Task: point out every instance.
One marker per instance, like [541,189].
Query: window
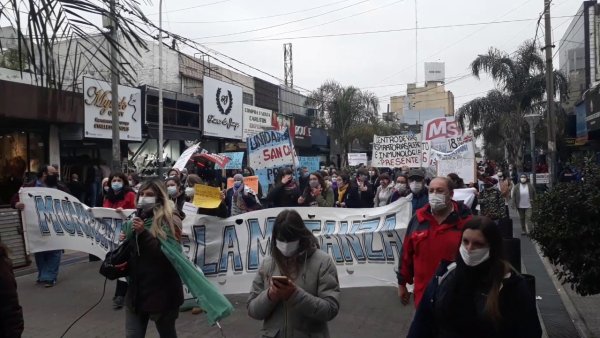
[175,113]
[248,98]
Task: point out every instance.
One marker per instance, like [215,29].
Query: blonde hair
[163,210]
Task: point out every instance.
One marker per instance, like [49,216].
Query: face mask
[237,184]
[288,249]
[474,257]
[146,203]
[131,184]
[523,180]
[189,191]
[415,186]
[371,173]
[437,202]
[172,191]
[51,180]
[314,184]
[400,187]
[116,186]
[364,177]
[106,189]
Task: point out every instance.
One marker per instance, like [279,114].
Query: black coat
[154,285]
[281,197]
[438,316]
[360,199]
[11,314]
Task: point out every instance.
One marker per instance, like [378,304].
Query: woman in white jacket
[296,290]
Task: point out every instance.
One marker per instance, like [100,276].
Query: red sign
[441,128]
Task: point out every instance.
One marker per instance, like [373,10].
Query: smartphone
[281,279]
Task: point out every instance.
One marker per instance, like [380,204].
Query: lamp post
[532,119]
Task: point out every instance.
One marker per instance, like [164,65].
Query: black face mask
[51,180]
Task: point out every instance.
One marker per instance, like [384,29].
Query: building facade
[433,98]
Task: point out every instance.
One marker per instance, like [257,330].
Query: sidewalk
[563,312]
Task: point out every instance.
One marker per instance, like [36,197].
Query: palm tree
[57,38]
[344,111]
[520,88]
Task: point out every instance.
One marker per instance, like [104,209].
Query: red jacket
[128,202]
[427,243]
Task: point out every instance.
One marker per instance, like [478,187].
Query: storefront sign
[397,151]
[364,243]
[222,109]
[256,120]
[302,132]
[97,99]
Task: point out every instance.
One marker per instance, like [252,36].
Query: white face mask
[523,180]
[189,191]
[415,186]
[437,202]
[288,249]
[400,187]
[474,257]
[146,203]
[172,191]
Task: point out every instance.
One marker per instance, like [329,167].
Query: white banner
[365,243]
[185,157]
[467,196]
[357,159]
[222,109]
[97,101]
[464,168]
[397,151]
[256,120]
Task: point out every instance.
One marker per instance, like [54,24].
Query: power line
[378,31]
[188,8]
[282,24]
[263,17]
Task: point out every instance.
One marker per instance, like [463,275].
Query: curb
[64,262]
[576,318]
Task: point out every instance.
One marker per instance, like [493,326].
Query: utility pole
[160,94]
[116,141]
[532,120]
[416,45]
[550,96]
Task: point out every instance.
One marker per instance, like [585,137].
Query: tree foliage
[347,112]
[520,88]
[44,27]
[566,227]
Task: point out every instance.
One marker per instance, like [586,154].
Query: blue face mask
[116,186]
[237,184]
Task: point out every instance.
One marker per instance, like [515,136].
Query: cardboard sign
[357,158]
[397,151]
[189,209]
[206,196]
[464,168]
[235,160]
[250,181]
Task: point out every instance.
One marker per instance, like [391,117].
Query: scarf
[342,192]
[206,294]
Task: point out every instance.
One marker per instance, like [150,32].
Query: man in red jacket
[433,235]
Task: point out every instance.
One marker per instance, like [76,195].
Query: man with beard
[47,262]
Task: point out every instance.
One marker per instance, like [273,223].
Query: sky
[382,62]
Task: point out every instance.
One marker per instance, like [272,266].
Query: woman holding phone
[296,290]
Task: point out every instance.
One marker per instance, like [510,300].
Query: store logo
[224,101]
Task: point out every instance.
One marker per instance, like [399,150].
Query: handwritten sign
[357,158]
[250,181]
[310,162]
[189,209]
[397,151]
[206,196]
[464,168]
[235,160]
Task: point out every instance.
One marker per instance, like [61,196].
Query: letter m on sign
[436,129]
[46,215]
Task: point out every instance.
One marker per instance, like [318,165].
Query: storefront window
[20,152]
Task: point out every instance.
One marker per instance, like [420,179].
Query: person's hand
[273,293]
[119,210]
[138,225]
[286,179]
[121,236]
[316,191]
[20,205]
[301,200]
[403,294]
[363,188]
[284,290]
[222,195]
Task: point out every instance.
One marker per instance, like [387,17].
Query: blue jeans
[137,323]
[47,263]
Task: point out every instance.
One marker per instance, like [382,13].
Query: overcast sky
[382,62]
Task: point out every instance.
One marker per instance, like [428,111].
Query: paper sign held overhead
[249,181]
[206,196]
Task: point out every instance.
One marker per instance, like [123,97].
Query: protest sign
[206,196]
[441,128]
[464,168]
[365,244]
[268,151]
[310,162]
[355,159]
[249,181]
[235,160]
[467,196]
[189,208]
[396,151]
